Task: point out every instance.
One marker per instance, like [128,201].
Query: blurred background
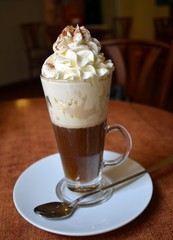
[56,14]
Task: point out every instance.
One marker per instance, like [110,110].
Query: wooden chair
[163,29]
[100,31]
[143,69]
[121,27]
[36,45]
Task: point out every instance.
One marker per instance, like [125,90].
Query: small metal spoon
[58,210]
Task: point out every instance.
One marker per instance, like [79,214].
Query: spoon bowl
[54,210]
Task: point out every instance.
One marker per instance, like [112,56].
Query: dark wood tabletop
[26,136]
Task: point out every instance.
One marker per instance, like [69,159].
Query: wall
[13,61]
[110,10]
[142,13]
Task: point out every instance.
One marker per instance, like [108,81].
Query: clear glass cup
[78,112]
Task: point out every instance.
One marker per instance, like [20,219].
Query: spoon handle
[152,168]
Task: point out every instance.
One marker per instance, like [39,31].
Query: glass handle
[123,131]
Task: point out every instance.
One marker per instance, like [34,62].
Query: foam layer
[77,104]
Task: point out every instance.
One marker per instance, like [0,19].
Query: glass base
[65,194]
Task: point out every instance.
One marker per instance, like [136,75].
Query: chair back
[34,35]
[36,45]
[143,69]
[121,27]
[100,31]
[163,29]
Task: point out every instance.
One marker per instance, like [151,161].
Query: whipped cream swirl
[76,57]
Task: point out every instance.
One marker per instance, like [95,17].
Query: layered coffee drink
[76,80]
[81,149]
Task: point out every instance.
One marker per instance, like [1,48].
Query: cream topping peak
[76,56]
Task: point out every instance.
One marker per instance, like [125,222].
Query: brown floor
[24,89]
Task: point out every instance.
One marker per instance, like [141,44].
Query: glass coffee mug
[78,112]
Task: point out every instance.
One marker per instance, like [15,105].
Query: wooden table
[26,136]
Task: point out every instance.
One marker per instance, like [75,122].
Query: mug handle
[128,140]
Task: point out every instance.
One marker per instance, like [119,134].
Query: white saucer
[37,184]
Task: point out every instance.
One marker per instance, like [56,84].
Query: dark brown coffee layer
[81,151]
